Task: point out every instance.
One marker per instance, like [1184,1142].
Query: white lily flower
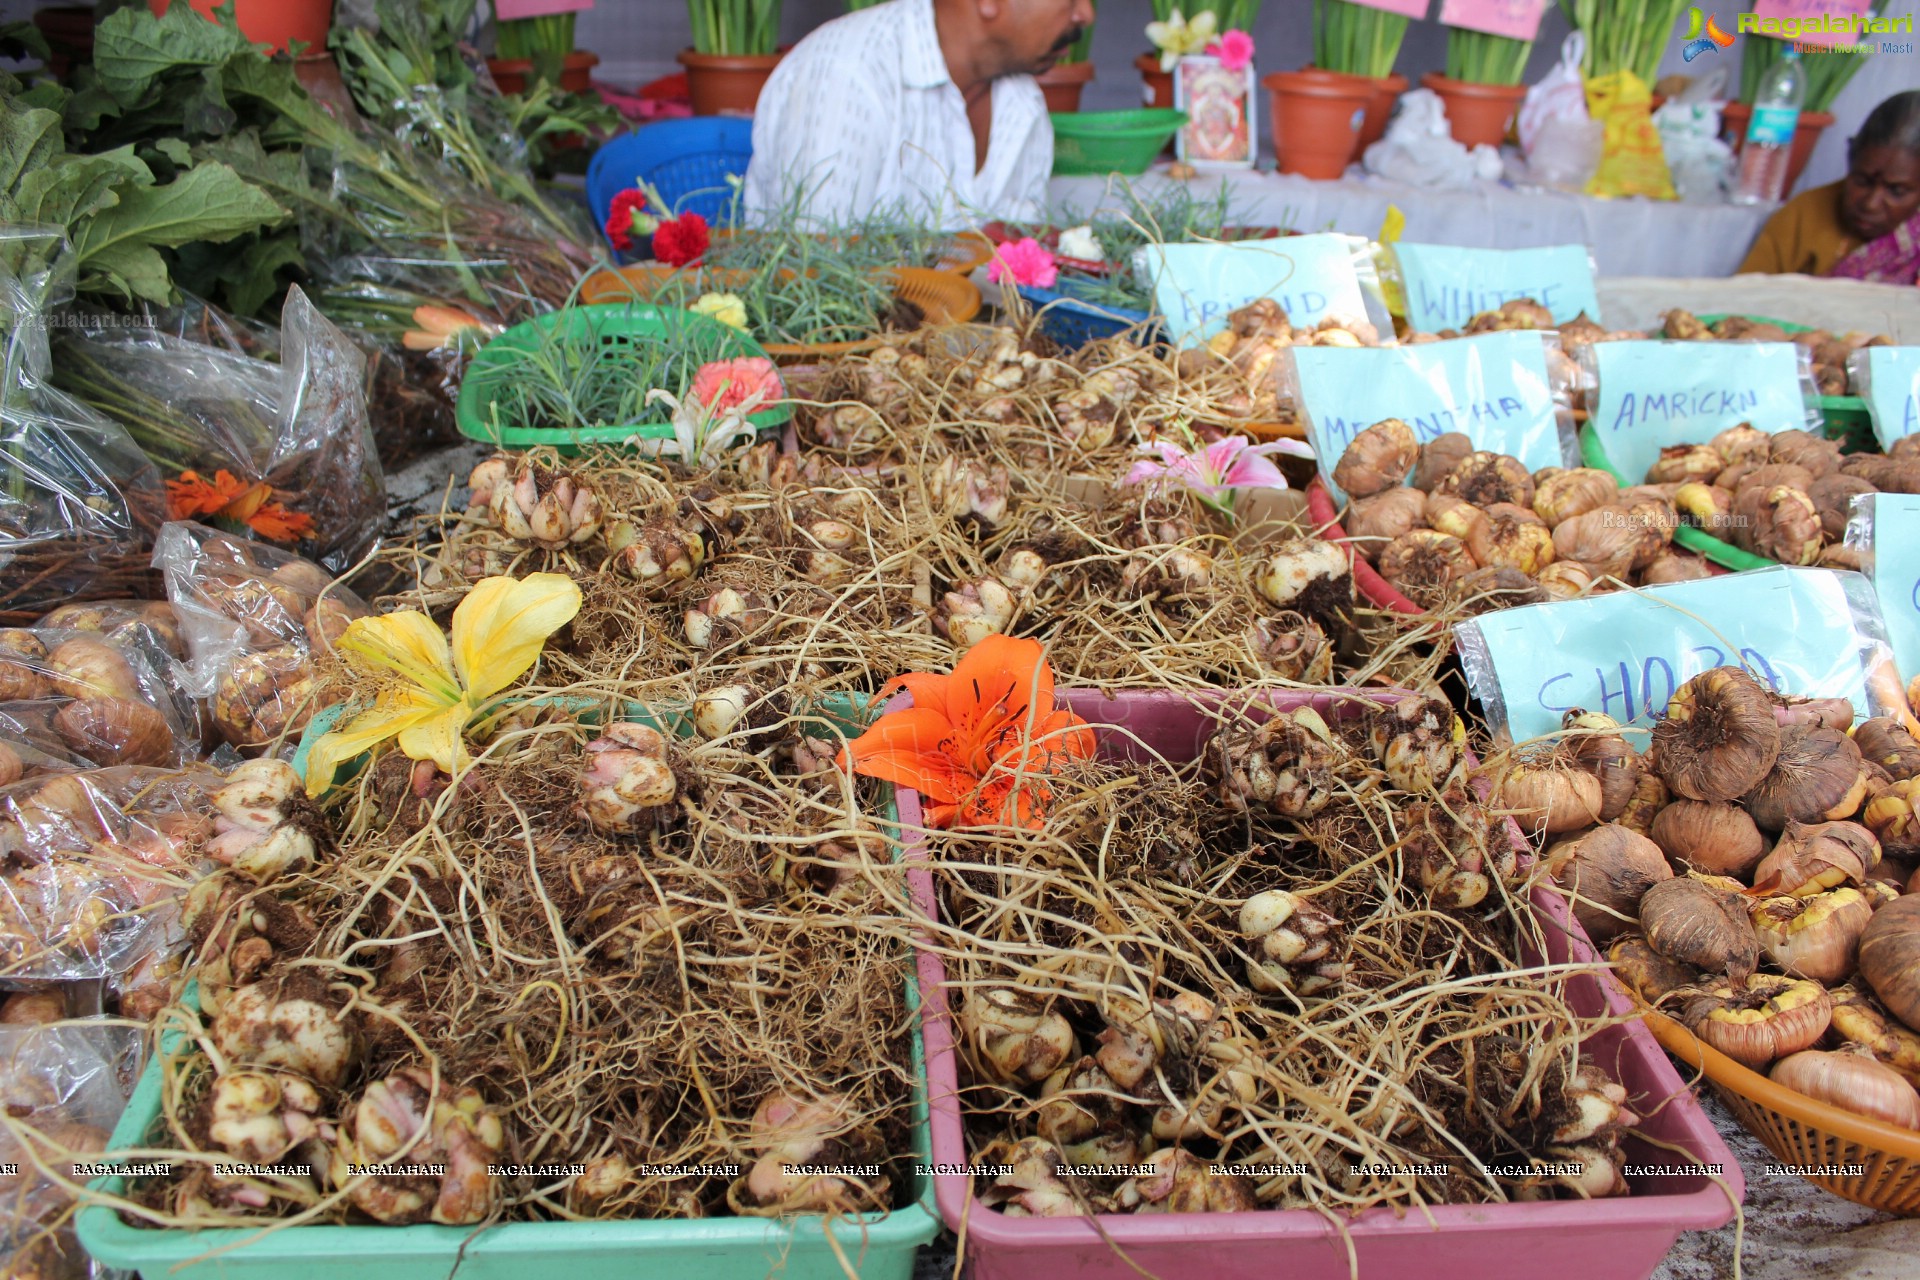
[1177,37]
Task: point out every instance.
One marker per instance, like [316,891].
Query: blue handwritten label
[1893,392]
[1626,652]
[1896,575]
[1196,286]
[1448,285]
[1655,394]
[1492,386]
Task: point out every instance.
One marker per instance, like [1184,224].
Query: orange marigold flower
[229,497]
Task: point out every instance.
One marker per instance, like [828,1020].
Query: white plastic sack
[1701,164]
[1419,149]
[1561,142]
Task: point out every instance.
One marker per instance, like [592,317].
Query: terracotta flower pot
[1384,91]
[1733,128]
[512,75]
[68,29]
[274,22]
[1062,83]
[726,84]
[1159,84]
[1476,113]
[1316,121]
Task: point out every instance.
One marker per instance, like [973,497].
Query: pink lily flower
[1234,49]
[1221,467]
[1023,262]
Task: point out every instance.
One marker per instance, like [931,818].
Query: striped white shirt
[863,113]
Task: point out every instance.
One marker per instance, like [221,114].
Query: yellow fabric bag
[1632,163]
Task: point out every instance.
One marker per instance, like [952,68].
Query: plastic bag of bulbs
[93,685]
[93,866]
[64,1085]
[253,618]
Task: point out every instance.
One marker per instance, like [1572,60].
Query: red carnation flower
[620,218]
[681,241]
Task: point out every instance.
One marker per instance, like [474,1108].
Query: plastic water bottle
[1776,114]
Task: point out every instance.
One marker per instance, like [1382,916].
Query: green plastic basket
[1724,554]
[881,1246]
[1098,142]
[496,362]
[1842,418]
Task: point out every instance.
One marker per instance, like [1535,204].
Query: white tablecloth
[1631,237]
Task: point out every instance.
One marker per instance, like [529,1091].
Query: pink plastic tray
[1621,1239]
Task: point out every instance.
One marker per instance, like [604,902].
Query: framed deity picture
[1220,132]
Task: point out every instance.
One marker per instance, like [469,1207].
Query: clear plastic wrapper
[1324,278]
[1885,529]
[1646,395]
[1812,632]
[79,501]
[282,452]
[63,1087]
[98,699]
[1888,379]
[252,616]
[93,867]
[1509,392]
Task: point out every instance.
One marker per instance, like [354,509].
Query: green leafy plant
[119,214]
[735,28]
[1480,57]
[544,41]
[1827,73]
[1624,35]
[1355,39]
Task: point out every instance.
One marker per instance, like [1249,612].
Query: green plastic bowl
[882,1245]
[1097,142]
[1724,554]
[498,362]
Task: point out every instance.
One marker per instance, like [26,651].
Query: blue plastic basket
[1073,322]
[687,161]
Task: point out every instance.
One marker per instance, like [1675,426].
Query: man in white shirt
[922,108]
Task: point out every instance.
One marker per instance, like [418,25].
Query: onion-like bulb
[1020,1040]
[1607,871]
[1700,925]
[1813,858]
[1766,1018]
[1890,958]
[1549,794]
[1816,937]
[1853,1082]
[1719,738]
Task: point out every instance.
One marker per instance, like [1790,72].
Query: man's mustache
[1068,40]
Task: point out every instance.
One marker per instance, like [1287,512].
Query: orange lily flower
[228,496]
[973,740]
[444,327]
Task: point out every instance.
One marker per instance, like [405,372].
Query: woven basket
[1856,1158]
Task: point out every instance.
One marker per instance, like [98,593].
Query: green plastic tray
[881,1246]
[1724,554]
[494,362]
[1842,418]
[1100,142]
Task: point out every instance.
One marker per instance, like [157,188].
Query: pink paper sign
[1415,9]
[1803,12]
[1515,19]
[508,10]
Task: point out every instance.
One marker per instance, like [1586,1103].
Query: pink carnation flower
[1234,49]
[725,385]
[1023,262]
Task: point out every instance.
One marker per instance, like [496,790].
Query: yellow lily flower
[727,308]
[1177,37]
[432,690]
